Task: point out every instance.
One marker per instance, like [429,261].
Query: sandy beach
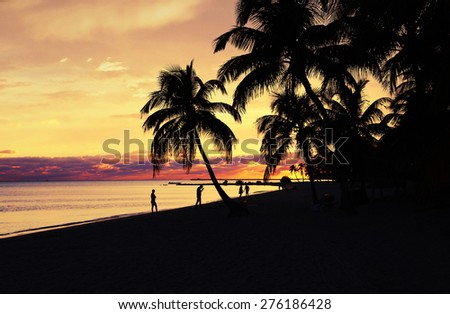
[283,246]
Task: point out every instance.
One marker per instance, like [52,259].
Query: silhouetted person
[241,190]
[153,201]
[247,190]
[199,195]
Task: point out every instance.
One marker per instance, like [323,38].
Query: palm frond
[374,113]
[162,145]
[207,89]
[264,78]
[155,120]
[217,132]
[241,37]
[239,65]
[222,108]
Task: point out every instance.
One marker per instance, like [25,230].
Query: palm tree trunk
[236,209]
[312,184]
[347,202]
[346,199]
[319,105]
[317,102]
[310,170]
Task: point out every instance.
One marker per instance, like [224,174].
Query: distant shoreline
[148,180]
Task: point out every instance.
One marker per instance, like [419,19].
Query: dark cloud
[75,168]
[92,168]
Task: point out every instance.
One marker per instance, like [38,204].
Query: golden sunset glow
[76,73]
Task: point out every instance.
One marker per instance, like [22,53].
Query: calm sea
[36,206]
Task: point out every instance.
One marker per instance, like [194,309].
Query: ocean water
[34,206]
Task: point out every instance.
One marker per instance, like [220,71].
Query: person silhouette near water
[241,190]
[199,195]
[247,190]
[153,201]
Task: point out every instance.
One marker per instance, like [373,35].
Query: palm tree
[181,113]
[294,124]
[356,118]
[418,73]
[298,168]
[351,111]
[414,35]
[293,170]
[286,42]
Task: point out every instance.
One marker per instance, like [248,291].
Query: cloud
[92,168]
[77,20]
[7,151]
[110,66]
[8,84]
[68,168]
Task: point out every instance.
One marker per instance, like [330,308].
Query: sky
[75,73]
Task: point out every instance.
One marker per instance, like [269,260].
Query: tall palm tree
[352,112]
[356,118]
[179,112]
[286,43]
[416,45]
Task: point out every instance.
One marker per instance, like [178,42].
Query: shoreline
[283,246]
[68,207]
[19,233]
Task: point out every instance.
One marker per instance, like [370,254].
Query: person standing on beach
[241,190]
[247,190]
[153,201]
[199,195]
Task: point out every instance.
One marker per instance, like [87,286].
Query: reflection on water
[30,205]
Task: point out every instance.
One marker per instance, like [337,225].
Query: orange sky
[75,73]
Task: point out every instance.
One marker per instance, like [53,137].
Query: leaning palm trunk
[236,209]
[316,100]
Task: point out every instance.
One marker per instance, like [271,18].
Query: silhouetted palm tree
[181,113]
[293,170]
[294,124]
[352,112]
[353,116]
[286,43]
[274,41]
[415,41]
[298,168]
